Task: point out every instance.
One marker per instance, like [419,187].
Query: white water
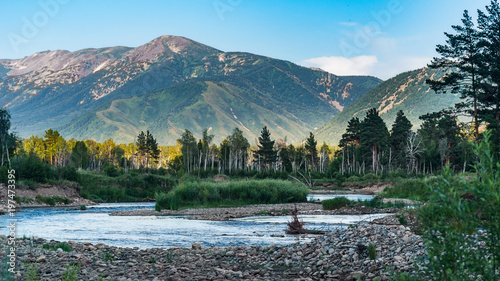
[95,225]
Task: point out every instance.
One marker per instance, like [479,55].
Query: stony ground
[340,255]
[224,214]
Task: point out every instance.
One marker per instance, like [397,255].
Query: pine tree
[352,135]
[50,139]
[399,136]
[312,150]
[266,155]
[374,135]
[461,55]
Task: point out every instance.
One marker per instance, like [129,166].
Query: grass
[372,251]
[234,193]
[335,203]
[414,189]
[63,245]
[71,273]
[377,203]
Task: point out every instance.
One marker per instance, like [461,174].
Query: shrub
[335,203]
[370,177]
[372,251]
[4,176]
[111,171]
[460,223]
[68,173]
[32,168]
[71,273]
[415,189]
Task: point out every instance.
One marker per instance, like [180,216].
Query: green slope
[407,91]
[193,106]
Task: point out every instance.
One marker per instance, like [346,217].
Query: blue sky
[376,37]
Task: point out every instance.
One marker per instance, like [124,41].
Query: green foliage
[460,223]
[266,155]
[335,203]
[372,251]
[370,177]
[68,173]
[191,194]
[53,247]
[4,175]
[71,272]
[32,272]
[108,257]
[32,168]
[410,93]
[123,188]
[111,171]
[415,189]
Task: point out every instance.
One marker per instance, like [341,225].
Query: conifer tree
[399,136]
[312,150]
[374,136]
[266,155]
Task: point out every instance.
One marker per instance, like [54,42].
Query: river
[95,225]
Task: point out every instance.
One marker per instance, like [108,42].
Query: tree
[7,140]
[324,157]
[152,151]
[374,136]
[79,155]
[266,155]
[350,144]
[50,139]
[461,55]
[352,135]
[206,142]
[399,136]
[238,153]
[489,27]
[312,150]
[188,150]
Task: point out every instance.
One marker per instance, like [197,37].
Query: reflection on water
[95,225]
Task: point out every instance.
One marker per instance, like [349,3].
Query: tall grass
[191,194]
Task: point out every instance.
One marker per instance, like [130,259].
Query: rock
[196,246]
[357,275]
[41,259]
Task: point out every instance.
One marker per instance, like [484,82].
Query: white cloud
[385,68]
[362,65]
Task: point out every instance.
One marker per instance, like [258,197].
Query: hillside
[407,91]
[118,91]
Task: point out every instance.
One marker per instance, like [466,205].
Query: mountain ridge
[55,88]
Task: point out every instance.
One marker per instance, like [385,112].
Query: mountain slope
[407,91]
[87,87]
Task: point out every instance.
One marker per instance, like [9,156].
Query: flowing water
[96,225]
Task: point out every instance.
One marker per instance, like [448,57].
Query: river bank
[339,255]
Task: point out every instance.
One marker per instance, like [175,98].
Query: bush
[415,189]
[68,173]
[335,203]
[370,177]
[231,193]
[32,168]
[460,223]
[111,171]
[4,175]
[372,251]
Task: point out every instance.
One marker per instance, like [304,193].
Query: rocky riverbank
[224,214]
[340,255]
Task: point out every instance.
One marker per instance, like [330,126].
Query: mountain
[407,91]
[167,85]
